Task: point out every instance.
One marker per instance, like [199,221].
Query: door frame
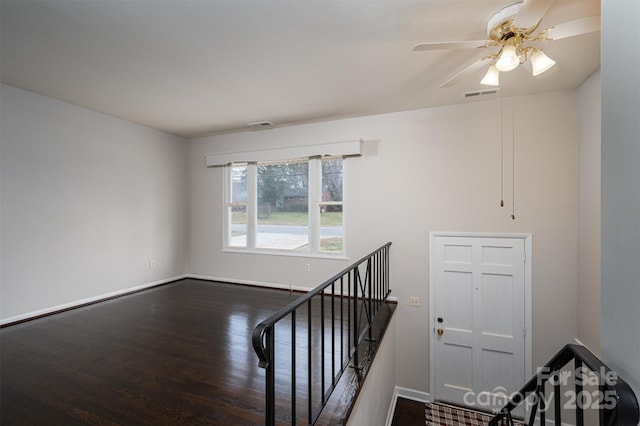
[527,299]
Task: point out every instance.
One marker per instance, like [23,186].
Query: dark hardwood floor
[175,354]
[408,413]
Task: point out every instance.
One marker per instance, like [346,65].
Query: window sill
[274,252]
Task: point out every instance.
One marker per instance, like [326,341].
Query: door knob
[440,332]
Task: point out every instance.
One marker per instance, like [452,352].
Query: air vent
[479,93]
[257,125]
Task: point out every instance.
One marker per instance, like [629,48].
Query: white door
[478,319]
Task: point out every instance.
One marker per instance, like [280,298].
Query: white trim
[392,407]
[266,285]
[249,282]
[412,394]
[406,393]
[430,325]
[314,192]
[348,148]
[528,295]
[400,392]
[480,234]
[528,305]
[290,253]
[77,303]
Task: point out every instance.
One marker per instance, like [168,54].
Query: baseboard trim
[6,322]
[17,319]
[414,395]
[400,392]
[392,407]
[392,299]
[250,283]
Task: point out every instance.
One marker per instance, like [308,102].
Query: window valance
[344,149]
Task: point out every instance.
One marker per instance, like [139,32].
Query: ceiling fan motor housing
[500,26]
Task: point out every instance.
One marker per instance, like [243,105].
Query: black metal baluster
[605,415]
[534,410]
[379,280]
[341,322]
[388,282]
[579,378]
[333,334]
[270,377]
[349,314]
[356,328]
[541,404]
[369,315]
[374,284]
[322,346]
[309,364]
[293,367]
[557,406]
[368,293]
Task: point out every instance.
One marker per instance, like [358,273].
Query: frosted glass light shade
[508,59]
[492,77]
[541,62]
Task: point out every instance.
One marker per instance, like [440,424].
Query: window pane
[283,206]
[331,226]
[238,226]
[237,206]
[238,183]
[332,180]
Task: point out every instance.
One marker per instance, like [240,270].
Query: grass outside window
[291,218]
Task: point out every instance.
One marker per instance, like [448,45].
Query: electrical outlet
[152,264]
[414,301]
[307,267]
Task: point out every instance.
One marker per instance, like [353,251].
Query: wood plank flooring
[176,354]
[408,413]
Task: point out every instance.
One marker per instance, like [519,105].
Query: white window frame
[315,202]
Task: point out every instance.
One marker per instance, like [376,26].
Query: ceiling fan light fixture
[508,59]
[492,77]
[541,62]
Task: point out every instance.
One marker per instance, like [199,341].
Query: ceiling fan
[513,30]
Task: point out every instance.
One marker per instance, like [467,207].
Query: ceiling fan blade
[573,28]
[440,45]
[473,67]
[531,12]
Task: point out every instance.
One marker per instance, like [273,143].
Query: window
[293,206]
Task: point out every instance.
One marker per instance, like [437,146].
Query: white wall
[87,201]
[377,392]
[621,189]
[589,240]
[433,169]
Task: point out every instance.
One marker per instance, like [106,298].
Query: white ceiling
[197,67]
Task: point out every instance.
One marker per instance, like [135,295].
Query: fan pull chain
[513,162]
[501,151]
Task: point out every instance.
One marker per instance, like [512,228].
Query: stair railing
[614,400]
[345,306]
